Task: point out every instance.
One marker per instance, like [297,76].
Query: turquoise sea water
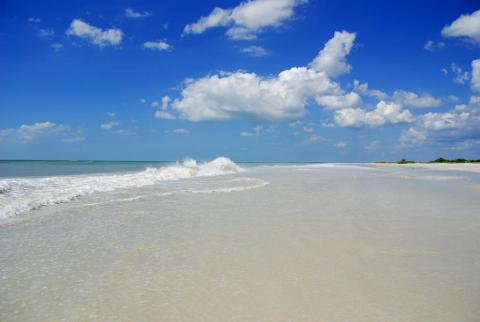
[20,168]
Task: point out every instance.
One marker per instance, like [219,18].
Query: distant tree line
[438,160]
[442,160]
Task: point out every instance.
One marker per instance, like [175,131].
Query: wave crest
[20,195]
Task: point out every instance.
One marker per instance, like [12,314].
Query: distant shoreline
[436,161]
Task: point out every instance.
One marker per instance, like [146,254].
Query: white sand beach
[267,243]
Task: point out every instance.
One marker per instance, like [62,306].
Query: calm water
[218,241]
[12,168]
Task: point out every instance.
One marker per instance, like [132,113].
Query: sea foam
[20,195]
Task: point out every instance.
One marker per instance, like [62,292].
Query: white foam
[20,195]
[250,183]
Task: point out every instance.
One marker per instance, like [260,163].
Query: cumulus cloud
[308,129]
[111,114]
[130,13]
[159,45]
[177,131]
[28,132]
[423,100]
[45,32]
[349,100]
[33,20]
[255,51]
[332,58]
[241,94]
[475,83]
[383,114]
[433,46]
[109,125]
[248,19]
[328,125]
[295,123]
[248,95]
[164,115]
[456,125]
[466,26]
[57,46]
[314,139]
[257,130]
[341,145]
[165,102]
[364,90]
[217,18]
[412,136]
[96,36]
[461,76]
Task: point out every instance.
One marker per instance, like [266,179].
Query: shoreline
[467,166]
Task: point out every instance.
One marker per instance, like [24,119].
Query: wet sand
[317,243]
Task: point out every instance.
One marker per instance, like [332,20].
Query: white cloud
[314,139]
[45,33]
[433,46]
[351,99]
[412,136]
[33,20]
[308,129]
[331,59]
[130,13]
[177,131]
[109,125]
[157,45]
[383,114]
[217,18]
[241,94]
[97,36]
[443,121]
[164,115]
[255,51]
[364,90]
[165,102]
[461,76]
[142,100]
[475,83]
[466,26]
[248,19]
[341,145]
[57,46]
[257,130]
[459,124]
[28,132]
[423,100]
[328,125]
[247,95]
[111,114]
[295,123]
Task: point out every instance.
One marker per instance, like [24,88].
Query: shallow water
[266,243]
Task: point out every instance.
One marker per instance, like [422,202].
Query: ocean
[221,241]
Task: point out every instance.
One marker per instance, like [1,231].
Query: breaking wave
[20,195]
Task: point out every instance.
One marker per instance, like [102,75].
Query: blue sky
[259,80]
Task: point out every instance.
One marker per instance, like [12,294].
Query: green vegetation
[442,160]
[438,160]
[403,161]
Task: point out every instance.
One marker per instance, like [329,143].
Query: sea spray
[20,195]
